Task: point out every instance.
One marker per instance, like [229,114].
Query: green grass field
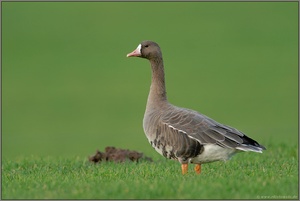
[68,89]
[244,177]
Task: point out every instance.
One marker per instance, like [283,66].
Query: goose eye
[146,45]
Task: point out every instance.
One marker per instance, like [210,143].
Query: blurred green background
[68,88]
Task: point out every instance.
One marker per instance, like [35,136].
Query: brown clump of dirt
[118,155]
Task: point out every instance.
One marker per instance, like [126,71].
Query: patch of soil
[118,155]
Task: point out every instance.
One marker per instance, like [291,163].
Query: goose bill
[136,52]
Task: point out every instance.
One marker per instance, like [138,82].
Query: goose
[183,134]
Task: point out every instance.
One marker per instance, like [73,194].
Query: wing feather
[206,130]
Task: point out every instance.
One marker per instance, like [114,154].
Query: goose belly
[178,147]
[213,152]
[169,142]
[164,150]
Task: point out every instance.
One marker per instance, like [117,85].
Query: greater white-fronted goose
[182,134]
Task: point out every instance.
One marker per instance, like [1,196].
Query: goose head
[147,49]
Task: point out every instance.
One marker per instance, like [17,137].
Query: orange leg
[198,168]
[184,168]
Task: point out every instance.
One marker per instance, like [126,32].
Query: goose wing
[207,131]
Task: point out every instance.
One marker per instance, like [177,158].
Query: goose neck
[158,88]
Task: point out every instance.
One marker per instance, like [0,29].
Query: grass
[274,174]
[68,89]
